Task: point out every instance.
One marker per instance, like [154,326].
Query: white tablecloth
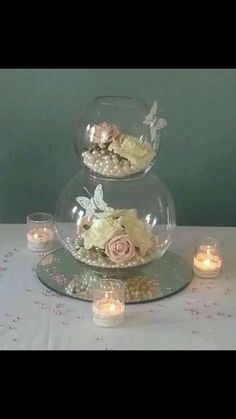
[202,316]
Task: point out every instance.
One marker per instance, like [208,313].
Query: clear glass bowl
[118,136]
[109,224]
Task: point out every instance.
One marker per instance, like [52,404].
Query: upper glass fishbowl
[118,136]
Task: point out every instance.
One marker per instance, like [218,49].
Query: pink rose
[120,248]
[103,133]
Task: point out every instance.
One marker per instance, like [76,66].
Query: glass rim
[125,99]
[202,240]
[109,280]
[34,217]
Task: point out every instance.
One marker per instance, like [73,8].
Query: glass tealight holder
[207,261]
[40,232]
[108,302]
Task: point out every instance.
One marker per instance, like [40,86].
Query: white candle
[40,239]
[207,263]
[108,312]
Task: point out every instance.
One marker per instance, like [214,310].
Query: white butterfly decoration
[95,203]
[154,122]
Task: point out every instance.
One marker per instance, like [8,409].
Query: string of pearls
[107,163]
[96,257]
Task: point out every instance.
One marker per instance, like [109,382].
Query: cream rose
[103,133]
[129,147]
[84,224]
[100,232]
[139,231]
[120,248]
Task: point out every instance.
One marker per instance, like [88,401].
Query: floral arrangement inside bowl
[111,238]
[115,154]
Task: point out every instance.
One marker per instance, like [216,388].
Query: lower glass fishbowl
[115,226]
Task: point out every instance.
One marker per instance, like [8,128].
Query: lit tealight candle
[207,262]
[108,303]
[39,239]
[40,232]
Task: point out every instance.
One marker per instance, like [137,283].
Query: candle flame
[112,307]
[208,252]
[207,262]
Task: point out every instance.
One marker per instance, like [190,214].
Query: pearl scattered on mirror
[138,288]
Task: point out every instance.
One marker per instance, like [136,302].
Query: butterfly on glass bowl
[95,203]
[155,123]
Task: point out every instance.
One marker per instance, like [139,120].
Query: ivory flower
[139,231]
[100,232]
[129,147]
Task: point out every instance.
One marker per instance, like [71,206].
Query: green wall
[38,116]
